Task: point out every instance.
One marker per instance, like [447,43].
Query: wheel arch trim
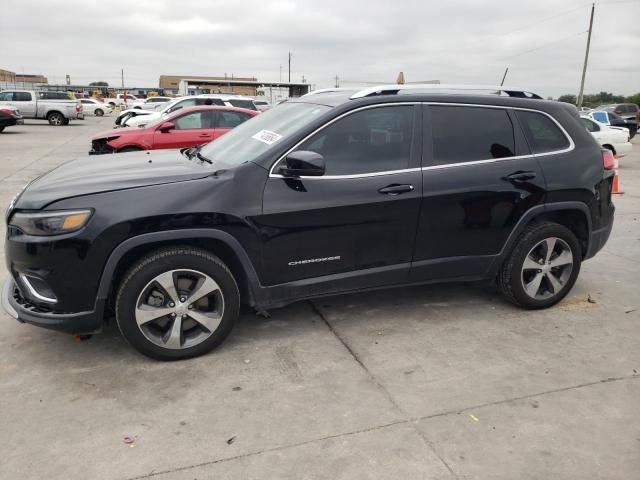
[534,212]
[253,284]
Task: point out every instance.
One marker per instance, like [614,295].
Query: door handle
[205,135]
[521,176]
[396,189]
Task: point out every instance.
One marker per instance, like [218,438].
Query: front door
[191,128]
[359,217]
[478,180]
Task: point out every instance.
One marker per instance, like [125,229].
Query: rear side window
[231,119]
[542,133]
[242,104]
[468,134]
[590,125]
[21,97]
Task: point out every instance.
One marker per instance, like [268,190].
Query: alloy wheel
[547,268]
[179,309]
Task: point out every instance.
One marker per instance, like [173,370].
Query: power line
[544,20]
[546,45]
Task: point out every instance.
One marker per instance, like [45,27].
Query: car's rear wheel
[542,267]
[56,119]
[98,112]
[177,303]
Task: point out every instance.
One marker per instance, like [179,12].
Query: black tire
[98,112]
[129,149]
[511,277]
[1,129]
[66,121]
[56,119]
[143,273]
[610,147]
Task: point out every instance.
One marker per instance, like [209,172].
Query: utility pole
[122,76]
[280,73]
[504,76]
[337,85]
[586,57]
[290,55]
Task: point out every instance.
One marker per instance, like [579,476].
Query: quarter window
[542,134]
[372,140]
[468,134]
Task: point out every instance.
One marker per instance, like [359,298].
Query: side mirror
[166,126]
[303,163]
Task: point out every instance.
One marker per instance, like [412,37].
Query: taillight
[77,107]
[6,111]
[608,162]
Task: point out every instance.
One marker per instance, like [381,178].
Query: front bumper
[19,307]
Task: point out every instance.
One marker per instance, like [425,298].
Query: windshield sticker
[265,136]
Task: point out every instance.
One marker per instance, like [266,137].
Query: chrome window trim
[34,293]
[430,167]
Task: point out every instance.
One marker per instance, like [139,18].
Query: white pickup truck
[122,100]
[56,107]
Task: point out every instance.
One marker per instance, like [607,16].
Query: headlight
[50,223]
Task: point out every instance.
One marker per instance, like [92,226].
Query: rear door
[478,180]
[192,128]
[361,215]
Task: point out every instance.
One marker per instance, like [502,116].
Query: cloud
[464,41]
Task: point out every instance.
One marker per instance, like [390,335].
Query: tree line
[602,98]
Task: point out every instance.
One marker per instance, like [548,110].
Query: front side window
[542,133]
[6,97]
[469,134]
[369,141]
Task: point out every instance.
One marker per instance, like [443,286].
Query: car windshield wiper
[202,158]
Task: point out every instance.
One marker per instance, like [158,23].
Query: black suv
[334,192]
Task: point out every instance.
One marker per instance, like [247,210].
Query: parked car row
[58,108]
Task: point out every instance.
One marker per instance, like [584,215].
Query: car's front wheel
[542,267]
[177,303]
[99,112]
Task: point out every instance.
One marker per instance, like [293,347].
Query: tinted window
[372,140]
[195,120]
[21,97]
[590,125]
[242,104]
[542,134]
[209,101]
[231,119]
[86,101]
[467,134]
[6,97]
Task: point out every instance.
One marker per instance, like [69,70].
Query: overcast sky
[456,41]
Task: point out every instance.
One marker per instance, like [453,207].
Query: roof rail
[448,88]
[329,90]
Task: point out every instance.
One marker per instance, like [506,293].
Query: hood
[106,173]
[119,132]
[145,118]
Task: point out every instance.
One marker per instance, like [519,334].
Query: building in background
[226,84]
[32,79]
[9,79]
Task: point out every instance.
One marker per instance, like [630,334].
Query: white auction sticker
[267,137]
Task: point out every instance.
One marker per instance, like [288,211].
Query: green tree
[98,84]
[634,98]
[568,98]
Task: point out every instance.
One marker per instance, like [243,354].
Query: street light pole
[586,58]
[290,55]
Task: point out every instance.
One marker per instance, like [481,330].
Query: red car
[184,128]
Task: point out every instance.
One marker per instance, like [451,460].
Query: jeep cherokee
[336,191]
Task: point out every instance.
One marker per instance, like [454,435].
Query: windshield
[254,137]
